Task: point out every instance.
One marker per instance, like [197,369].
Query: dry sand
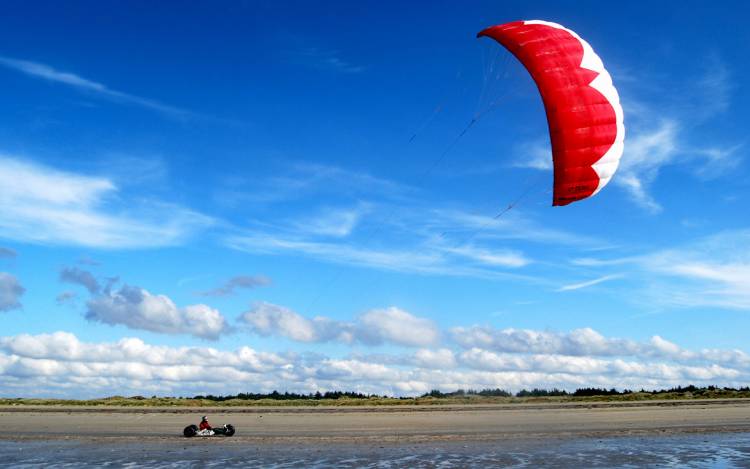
[384,424]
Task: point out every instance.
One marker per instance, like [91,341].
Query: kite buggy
[205,429]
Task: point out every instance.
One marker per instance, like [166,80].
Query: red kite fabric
[583,108]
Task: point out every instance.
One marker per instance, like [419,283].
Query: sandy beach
[393,424]
[624,434]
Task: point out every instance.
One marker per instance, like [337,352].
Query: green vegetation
[435,397]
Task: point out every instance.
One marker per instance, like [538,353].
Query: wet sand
[403,424]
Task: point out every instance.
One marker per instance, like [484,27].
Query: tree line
[497,392]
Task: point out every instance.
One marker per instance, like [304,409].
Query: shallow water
[718,450]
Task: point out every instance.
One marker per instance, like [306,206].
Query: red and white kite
[583,108]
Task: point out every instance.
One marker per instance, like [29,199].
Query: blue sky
[276,196]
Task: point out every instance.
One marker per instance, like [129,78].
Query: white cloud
[579,342]
[46,72]
[512,345]
[390,325]
[397,326]
[10,292]
[44,205]
[136,308]
[61,364]
[267,319]
[443,358]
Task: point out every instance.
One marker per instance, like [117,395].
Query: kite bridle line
[530,185]
[490,76]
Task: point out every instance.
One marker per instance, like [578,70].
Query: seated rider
[204,424]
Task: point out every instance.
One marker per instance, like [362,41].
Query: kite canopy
[583,108]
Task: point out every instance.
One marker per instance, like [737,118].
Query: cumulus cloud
[10,292]
[375,327]
[585,342]
[45,205]
[62,364]
[584,366]
[136,308]
[268,319]
[580,342]
[238,282]
[396,326]
[443,358]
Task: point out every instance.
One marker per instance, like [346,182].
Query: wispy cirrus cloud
[45,205]
[333,222]
[534,155]
[49,73]
[300,180]
[714,271]
[588,283]
[432,260]
[710,271]
[238,282]
[389,227]
[327,60]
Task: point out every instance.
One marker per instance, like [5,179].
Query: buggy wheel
[190,430]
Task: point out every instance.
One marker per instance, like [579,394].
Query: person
[204,424]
